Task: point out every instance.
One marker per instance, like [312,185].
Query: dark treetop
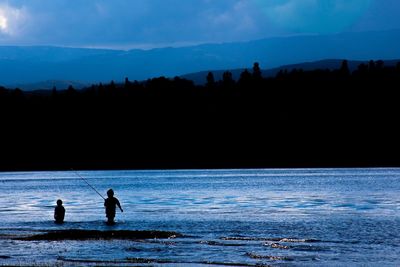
[317,118]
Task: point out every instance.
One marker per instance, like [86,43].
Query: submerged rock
[4,257]
[95,235]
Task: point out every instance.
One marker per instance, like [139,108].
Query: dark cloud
[382,15]
[172,22]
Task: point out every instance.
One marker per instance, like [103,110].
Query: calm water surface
[299,217]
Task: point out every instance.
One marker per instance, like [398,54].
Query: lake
[254,217]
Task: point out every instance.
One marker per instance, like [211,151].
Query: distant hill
[199,78]
[27,65]
[49,85]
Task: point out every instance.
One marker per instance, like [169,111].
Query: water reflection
[242,216]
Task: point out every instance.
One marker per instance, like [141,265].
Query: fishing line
[87,183]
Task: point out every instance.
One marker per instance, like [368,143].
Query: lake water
[278,217]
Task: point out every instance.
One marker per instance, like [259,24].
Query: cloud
[314,16]
[12,20]
[236,20]
[382,15]
[124,22]
[138,23]
[3,23]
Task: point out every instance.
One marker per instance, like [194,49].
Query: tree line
[298,118]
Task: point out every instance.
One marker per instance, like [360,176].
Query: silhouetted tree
[344,69]
[17,93]
[152,118]
[210,80]
[257,74]
[71,90]
[371,66]
[380,64]
[127,83]
[54,92]
[245,78]
[227,78]
[112,86]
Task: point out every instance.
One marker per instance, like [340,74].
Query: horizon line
[149,46]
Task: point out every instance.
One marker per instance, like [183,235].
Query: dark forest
[319,118]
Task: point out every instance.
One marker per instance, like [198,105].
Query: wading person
[110,204]
[59,212]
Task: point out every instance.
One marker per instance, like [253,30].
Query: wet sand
[74,234]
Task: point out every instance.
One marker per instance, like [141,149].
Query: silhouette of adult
[59,212]
[110,204]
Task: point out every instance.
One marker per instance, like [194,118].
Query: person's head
[110,193]
[59,202]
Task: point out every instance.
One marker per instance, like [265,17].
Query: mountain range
[28,67]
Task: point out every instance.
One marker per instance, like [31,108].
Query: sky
[157,23]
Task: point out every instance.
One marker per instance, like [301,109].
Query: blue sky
[156,23]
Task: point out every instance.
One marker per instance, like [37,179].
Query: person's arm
[119,206]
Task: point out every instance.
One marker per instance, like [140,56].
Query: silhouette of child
[59,212]
[110,203]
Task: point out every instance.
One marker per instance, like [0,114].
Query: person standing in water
[59,212]
[110,204]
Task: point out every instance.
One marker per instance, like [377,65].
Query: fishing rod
[87,183]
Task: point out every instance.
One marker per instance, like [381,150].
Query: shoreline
[101,167]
